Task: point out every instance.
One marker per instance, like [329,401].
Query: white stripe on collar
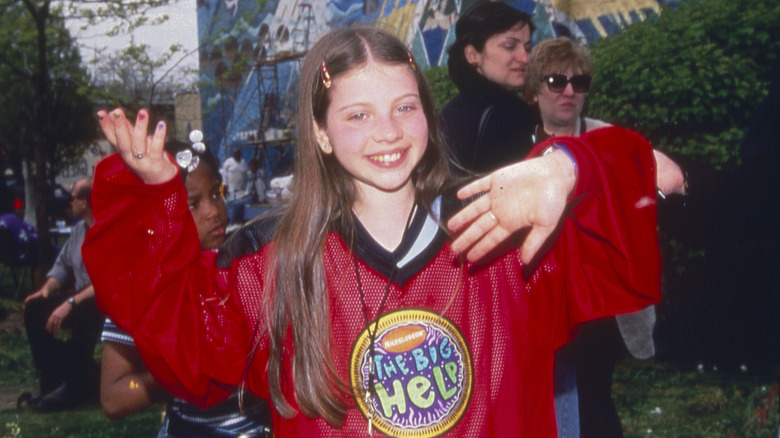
[428,232]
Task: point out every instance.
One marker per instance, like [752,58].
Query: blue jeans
[567,410]
[235,210]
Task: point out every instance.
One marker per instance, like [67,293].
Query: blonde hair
[554,56]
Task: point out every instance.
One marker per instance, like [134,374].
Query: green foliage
[124,17]
[72,120]
[654,399]
[17,375]
[86,422]
[442,88]
[15,360]
[690,79]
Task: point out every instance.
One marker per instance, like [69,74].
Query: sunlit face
[560,111]
[504,57]
[376,126]
[204,197]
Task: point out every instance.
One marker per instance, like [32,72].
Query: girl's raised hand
[142,154]
[531,194]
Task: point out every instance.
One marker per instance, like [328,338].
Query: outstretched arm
[605,247]
[152,279]
[610,215]
[530,194]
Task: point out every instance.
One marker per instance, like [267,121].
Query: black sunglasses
[557,83]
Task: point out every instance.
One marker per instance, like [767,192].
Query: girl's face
[560,111]
[504,57]
[376,126]
[204,196]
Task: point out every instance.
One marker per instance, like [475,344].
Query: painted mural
[251,52]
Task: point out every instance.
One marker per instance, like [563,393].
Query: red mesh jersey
[193,322]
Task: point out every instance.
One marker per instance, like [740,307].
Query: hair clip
[411,61]
[325,76]
[186,159]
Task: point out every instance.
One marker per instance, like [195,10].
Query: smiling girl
[360,314]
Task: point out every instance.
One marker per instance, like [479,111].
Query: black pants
[64,359]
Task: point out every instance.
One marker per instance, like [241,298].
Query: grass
[88,422]
[654,399]
[17,374]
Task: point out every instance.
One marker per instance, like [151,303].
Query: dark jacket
[504,119]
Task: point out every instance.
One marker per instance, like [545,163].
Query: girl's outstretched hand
[142,154]
[530,194]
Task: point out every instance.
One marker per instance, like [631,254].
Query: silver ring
[139,156]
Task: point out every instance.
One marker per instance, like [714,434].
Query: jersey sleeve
[151,278]
[607,249]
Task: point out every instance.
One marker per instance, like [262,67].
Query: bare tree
[133,78]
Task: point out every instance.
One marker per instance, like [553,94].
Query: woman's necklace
[372,333]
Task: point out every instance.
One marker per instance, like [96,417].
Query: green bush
[691,78]
[442,88]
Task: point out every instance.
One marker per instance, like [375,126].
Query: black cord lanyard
[372,334]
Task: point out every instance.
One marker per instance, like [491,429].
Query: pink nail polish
[141,116]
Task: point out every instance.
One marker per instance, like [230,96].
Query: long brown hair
[323,196]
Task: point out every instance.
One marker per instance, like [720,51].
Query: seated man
[67,370]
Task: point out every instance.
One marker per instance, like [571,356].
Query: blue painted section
[527,6]
[609,24]
[231,29]
[589,29]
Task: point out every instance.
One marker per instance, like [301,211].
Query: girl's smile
[388,159]
[378,134]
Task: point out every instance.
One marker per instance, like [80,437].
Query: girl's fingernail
[100,115]
[160,125]
[141,115]
[117,114]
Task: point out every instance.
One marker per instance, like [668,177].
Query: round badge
[423,376]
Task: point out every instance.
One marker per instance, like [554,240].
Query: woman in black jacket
[488,125]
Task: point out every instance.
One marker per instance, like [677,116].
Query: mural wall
[251,51]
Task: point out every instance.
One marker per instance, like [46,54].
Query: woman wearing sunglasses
[558,77]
